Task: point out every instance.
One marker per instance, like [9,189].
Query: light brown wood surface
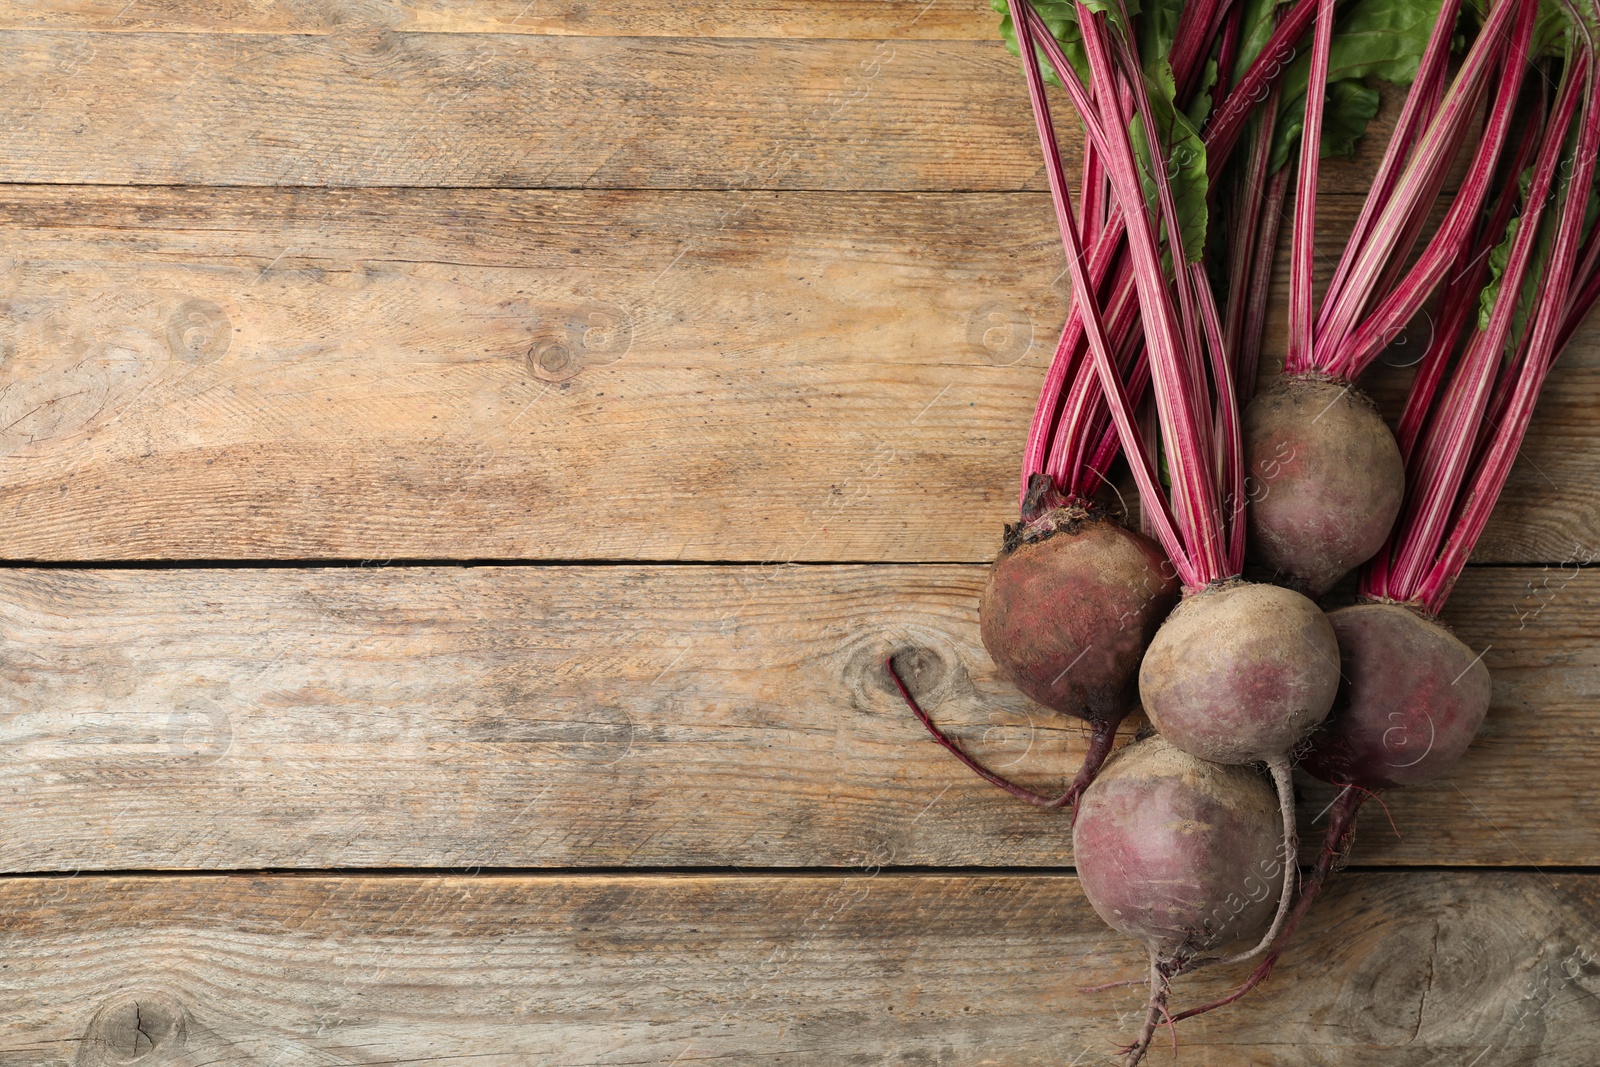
[368,106]
[518,374]
[840,19]
[641,716]
[861,966]
[378,374]
[371,107]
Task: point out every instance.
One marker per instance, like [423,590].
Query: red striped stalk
[1345,350]
[1544,328]
[1057,439]
[1303,238]
[1448,445]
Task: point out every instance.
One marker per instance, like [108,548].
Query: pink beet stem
[1188,453]
[1233,112]
[1114,150]
[1303,239]
[1351,350]
[1460,302]
[1447,449]
[1259,282]
[1194,303]
[1253,216]
[1092,199]
[1430,79]
[1198,24]
[1081,412]
[1046,450]
[1227,51]
[1056,442]
[1431,155]
[1046,421]
[1545,326]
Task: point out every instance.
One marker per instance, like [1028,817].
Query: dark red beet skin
[1178,852]
[1411,700]
[1066,617]
[1324,480]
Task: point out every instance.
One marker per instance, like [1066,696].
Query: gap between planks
[690,872]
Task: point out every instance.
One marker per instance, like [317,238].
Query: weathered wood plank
[844,19]
[376,108]
[380,374]
[1413,970]
[385,373]
[373,107]
[651,716]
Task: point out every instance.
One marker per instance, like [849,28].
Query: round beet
[1412,700]
[1179,852]
[1240,673]
[1324,480]
[1069,608]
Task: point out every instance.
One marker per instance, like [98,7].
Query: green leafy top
[1062,18]
[1381,39]
[1542,244]
[1256,23]
[1185,152]
[1552,26]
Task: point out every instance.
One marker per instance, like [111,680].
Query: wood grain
[1412,971]
[300,374]
[844,19]
[639,716]
[368,106]
[560,375]
[798,313]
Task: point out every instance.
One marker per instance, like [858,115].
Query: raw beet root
[1179,852]
[1240,673]
[1324,480]
[1412,700]
[1069,608]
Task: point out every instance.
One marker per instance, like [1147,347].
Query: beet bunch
[1199,119]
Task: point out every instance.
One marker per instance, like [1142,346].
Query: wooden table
[463,468]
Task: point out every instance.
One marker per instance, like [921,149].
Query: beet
[1067,612]
[1412,700]
[1240,672]
[1069,608]
[1180,853]
[1325,480]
